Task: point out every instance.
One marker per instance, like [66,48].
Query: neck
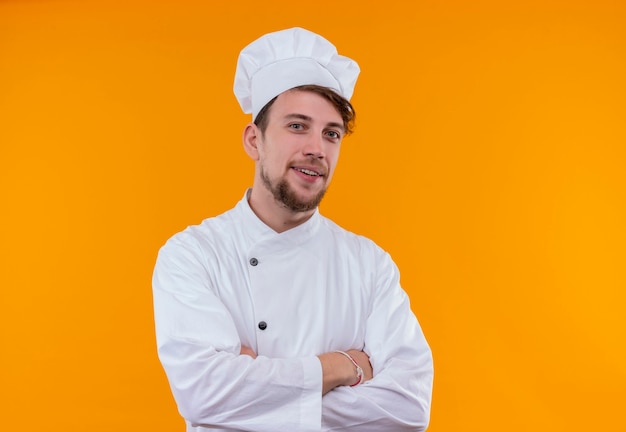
[273,213]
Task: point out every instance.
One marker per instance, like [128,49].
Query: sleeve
[198,346]
[398,397]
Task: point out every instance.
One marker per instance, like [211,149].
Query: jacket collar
[257,230]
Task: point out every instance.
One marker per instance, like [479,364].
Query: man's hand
[247,351]
[338,370]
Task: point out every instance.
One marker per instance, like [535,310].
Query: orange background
[489,160]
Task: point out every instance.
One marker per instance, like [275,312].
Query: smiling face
[297,153]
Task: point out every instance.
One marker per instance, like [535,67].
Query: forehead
[306,103]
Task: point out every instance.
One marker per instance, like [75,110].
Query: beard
[284,194]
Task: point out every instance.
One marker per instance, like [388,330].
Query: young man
[270,317]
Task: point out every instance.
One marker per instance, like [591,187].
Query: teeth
[307,172]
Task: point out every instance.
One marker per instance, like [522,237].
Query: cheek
[272,161]
[333,159]
[333,155]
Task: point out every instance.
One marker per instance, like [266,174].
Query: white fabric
[319,288]
[285,59]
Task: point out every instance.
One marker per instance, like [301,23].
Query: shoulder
[203,238]
[356,243]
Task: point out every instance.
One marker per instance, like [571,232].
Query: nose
[314,146]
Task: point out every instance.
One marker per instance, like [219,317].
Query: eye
[296,126]
[333,134]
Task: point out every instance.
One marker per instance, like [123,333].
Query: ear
[251,138]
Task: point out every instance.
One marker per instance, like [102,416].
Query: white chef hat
[282,60]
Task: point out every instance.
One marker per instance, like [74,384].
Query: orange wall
[489,159]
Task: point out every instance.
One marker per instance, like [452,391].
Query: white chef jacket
[290,296]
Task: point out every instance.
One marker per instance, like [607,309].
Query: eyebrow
[308,118]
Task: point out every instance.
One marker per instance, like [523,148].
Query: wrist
[357,376]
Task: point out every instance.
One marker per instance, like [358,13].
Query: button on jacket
[290,296]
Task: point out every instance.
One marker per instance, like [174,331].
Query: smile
[308,172]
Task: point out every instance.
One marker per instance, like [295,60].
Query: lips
[309,171]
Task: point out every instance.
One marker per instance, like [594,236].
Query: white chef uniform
[290,296]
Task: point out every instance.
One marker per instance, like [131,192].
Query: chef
[270,317]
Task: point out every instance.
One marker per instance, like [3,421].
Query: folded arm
[337,369]
[216,381]
[199,348]
[398,396]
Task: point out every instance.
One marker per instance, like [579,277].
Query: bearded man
[270,317]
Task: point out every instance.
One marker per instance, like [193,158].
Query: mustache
[310,163]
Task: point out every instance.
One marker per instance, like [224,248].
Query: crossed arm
[218,383]
[337,369]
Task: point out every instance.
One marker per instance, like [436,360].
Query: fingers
[247,351]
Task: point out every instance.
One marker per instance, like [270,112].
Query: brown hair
[341,104]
